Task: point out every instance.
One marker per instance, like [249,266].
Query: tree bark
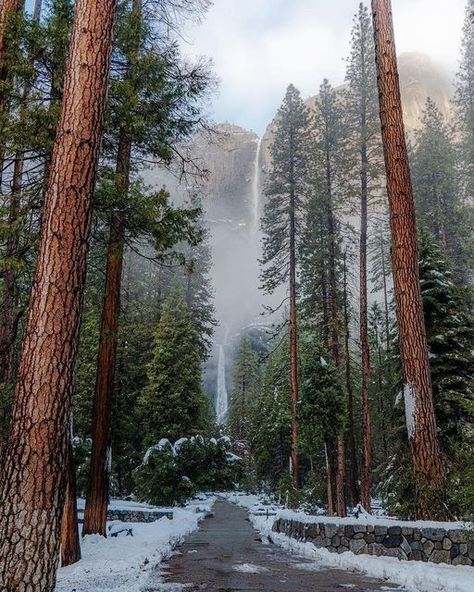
[95,515]
[341,466]
[70,544]
[428,467]
[363,329]
[329,480]
[35,456]
[353,486]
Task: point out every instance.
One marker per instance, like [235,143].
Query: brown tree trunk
[329,480]
[428,468]
[293,347]
[364,333]
[95,515]
[353,486]
[34,459]
[7,10]
[70,544]
[341,466]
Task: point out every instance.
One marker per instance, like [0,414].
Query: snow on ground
[123,564]
[413,575]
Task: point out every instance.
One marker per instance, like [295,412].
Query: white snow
[413,575]
[410,410]
[249,568]
[123,564]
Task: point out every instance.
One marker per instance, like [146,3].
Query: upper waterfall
[256,189]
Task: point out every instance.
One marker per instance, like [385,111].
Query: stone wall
[437,545]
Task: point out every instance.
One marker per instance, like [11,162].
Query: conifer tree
[285,191]
[450,334]
[364,140]
[245,380]
[464,101]
[149,110]
[271,422]
[437,187]
[32,484]
[173,404]
[427,463]
[329,155]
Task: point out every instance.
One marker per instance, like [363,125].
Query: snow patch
[249,568]
[410,410]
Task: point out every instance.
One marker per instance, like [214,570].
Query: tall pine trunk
[363,326]
[353,485]
[428,468]
[34,461]
[95,515]
[70,545]
[341,466]
[293,346]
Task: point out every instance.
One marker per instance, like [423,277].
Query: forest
[352,390]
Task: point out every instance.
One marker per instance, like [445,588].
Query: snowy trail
[227,554]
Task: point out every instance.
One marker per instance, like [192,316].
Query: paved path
[227,555]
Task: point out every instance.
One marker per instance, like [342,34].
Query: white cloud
[259,46]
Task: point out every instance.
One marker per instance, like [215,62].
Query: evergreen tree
[436,186]
[328,170]
[246,383]
[465,101]
[450,334]
[427,463]
[271,424]
[365,143]
[322,407]
[173,404]
[285,190]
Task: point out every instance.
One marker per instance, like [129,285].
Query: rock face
[229,155]
[420,78]
[435,545]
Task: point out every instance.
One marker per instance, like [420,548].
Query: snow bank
[122,564]
[414,576]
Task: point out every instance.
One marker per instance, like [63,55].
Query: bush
[171,474]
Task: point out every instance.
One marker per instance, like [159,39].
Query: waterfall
[256,189]
[222,402]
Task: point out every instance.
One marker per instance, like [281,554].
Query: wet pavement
[227,555]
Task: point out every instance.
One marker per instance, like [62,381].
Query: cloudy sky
[260,46]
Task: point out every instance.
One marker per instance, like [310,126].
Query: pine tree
[246,382]
[322,409]
[33,484]
[365,125]
[329,131]
[271,422]
[173,404]
[427,463]
[436,186]
[197,285]
[464,101]
[149,110]
[450,334]
[285,191]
